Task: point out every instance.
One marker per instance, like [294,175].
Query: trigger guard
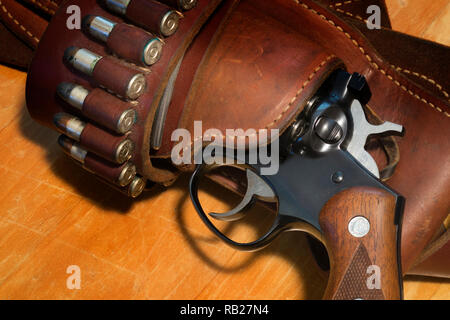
[277,228]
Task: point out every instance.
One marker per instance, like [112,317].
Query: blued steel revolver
[329,186]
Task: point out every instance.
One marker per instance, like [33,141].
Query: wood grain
[353,259]
[422,18]
[54,215]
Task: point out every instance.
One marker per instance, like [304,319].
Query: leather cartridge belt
[119,87]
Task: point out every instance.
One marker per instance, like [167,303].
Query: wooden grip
[360,234]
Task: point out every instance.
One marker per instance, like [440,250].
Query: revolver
[329,186]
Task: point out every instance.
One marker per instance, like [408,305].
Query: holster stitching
[433,82]
[43,7]
[424,77]
[27,32]
[311,76]
[339,4]
[350,14]
[369,58]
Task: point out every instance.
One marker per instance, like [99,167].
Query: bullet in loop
[108,146]
[169,23]
[152,51]
[107,72]
[126,121]
[124,151]
[98,27]
[121,175]
[136,86]
[99,106]
[129,42]
[73,94]
[136,187]
[127,175]
[152,15]
[72,148]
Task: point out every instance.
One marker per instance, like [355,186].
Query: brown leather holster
[255,64]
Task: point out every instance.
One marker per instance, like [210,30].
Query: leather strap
[422,61]
[20,29]
[16,54]
[435,260]
[356,10]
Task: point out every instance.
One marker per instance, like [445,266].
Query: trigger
[256,188]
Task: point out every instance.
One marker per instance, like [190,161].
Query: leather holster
[255,64]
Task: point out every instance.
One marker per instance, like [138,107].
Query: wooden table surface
[53,215]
